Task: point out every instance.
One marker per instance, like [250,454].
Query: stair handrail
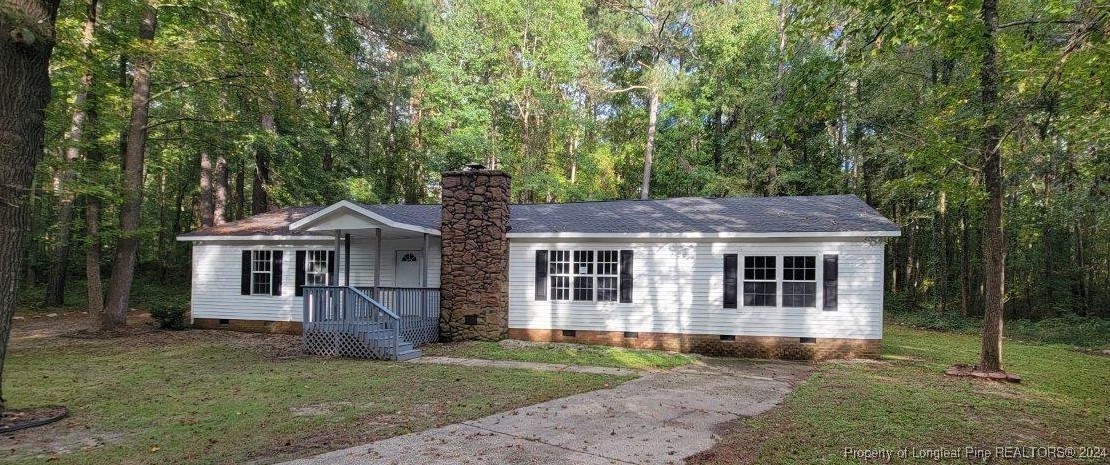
[390,314]
[347,314]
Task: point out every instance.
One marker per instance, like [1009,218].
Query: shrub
[170,314]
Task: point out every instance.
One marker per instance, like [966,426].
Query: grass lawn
[569,354]
[222,397]
[904,401]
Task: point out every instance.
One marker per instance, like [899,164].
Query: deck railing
[417,307]
[343,321]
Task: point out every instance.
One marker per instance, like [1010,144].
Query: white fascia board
[698,235]
[308,220]
[256,237]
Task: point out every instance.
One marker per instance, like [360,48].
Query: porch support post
[347,259]
[424,262]
[424,277]
[377,261]
[333,280]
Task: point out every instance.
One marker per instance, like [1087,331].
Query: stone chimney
[474,275]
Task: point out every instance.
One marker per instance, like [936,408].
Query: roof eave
[253,237]
[305,224]
[703,235]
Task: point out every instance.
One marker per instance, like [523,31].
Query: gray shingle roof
[827,213]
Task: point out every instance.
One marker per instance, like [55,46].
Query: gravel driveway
[661,417]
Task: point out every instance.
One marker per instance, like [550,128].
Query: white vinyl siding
[217,271]
[678,289]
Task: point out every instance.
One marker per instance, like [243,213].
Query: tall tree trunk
[965,262]
[240,191]
[59,264]
[942,278]
[718,138]
[392,157]
[219,203]
[26,42]
[94,289]
[777,136]
[994,246]
[260,196]
[207,191]
[649,149]
[127,248]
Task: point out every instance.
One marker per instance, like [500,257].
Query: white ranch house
[783,277]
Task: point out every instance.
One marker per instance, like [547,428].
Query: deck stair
[343,321]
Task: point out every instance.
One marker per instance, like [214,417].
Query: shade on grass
[905,402]
[568,354]
[184,401]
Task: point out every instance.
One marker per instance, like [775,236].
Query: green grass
[1090,332]
[202,397]
[905,401]
[568,354]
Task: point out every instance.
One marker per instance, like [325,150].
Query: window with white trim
[316,268]
[584,275]
[608,272]
[261,271]
[760,285]
[560,275]
[799,281]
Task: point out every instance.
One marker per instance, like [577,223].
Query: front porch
[379,297]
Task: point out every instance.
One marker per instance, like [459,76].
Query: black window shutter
[245,278]
[332,280]
[731,262]
[541,275]
[299,273]
[626,276]
[275,273]
[832,270]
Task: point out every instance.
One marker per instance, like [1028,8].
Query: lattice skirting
[342,344]
[419,330]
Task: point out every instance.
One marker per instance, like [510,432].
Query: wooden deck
[386,323]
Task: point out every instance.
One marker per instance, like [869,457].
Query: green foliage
[1070,330]
[171,314]
[371,99]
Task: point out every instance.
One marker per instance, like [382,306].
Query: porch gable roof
[348,215]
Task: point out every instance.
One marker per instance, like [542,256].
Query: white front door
[408,269]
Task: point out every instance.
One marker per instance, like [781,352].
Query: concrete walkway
[477,362]
[659,418]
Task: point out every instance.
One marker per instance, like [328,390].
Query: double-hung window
[799,281]
[560,274]
[760,284]
[583,275]
[608,269]
[261,272]
[764,285]
[316,268]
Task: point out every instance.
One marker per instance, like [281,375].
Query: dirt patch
[61,438]
[731,450]
[73,329]
[316,410]
[288,447]
[969,371]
